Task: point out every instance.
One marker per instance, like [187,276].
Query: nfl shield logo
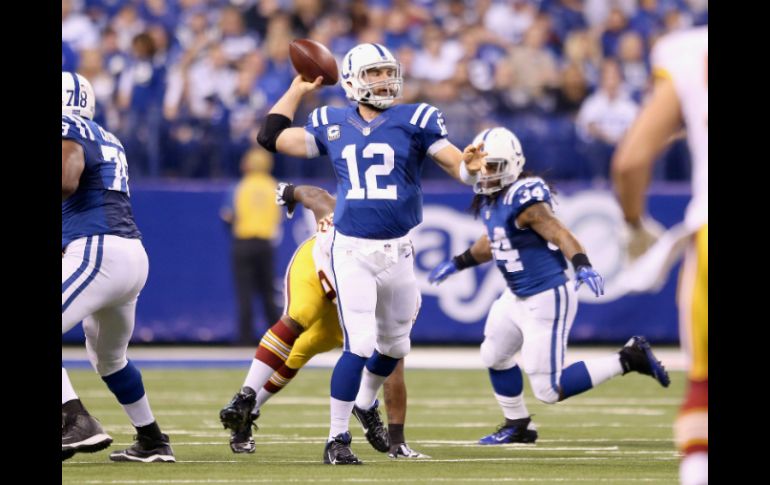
[366,131]
[333,132]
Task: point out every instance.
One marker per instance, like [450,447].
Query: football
[312,59]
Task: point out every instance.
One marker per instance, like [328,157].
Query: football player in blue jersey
[104,267]
[378,150]
[535,312]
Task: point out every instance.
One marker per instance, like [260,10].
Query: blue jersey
[529,263]
[378,165]
[100,205]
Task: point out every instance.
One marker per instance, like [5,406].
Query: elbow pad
[271,129]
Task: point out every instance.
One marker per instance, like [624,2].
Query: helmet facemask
[499,173]
[366,90]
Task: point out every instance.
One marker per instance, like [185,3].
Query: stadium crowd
[184,83]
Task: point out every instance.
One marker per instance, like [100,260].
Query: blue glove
[589,276]
[442,272]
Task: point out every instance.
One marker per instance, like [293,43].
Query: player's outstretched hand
[473,157]
[442,272]
[641,237]
[304,87]
[592,279]
[284,195]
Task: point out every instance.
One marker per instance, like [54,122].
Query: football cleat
[338,452]
[637,356]
[82,433]
[374,429]
[517,431]
[146,450]
[241,441]
[403,451]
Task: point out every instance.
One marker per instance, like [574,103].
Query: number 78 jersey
[378,164]
[100,205]
[529,263]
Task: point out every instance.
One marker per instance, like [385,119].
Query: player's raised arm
[479,253]
[314,198]
[632,164]
[461,165]
[72,166]
[276,133]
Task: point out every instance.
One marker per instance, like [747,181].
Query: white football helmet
[77,95]
[355,65]
[504,161]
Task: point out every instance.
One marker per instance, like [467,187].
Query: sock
[273,350]
[584,375]
[67,391]
[126,384]
[508,385]
[694,469]
[340,412]
[396,432]
[139,412]
[280,379]
[346,379]
[378,368]
[513,406]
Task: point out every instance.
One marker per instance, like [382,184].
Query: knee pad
[494,357]
[395,347]
[542,389]
[107,367]
[362,347]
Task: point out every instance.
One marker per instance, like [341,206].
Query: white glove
[281,192]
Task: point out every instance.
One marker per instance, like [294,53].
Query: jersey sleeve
[530,192]
[314,132]
[433,133]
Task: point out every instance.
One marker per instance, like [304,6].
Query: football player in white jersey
[534,314]
[104,267]
[309,326]
[679,99]
[378,149]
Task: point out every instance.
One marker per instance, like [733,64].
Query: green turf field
[618,433]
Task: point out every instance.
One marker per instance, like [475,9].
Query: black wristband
[273,126]
[288,194]
[580,259]
[465,260]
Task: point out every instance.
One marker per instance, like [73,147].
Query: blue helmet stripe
[379,49]
[484,138]
[77,89]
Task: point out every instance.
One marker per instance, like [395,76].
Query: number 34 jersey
[100,205]
[529,263]
[378,164]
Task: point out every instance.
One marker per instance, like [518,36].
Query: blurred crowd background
[185,83]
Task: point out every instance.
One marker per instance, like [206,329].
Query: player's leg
[108,332]
[691,426]
[502,339]
[322,336]
[356,302]
[397,301]
[394,390]
[81,432]
[304,305]
[84,289]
